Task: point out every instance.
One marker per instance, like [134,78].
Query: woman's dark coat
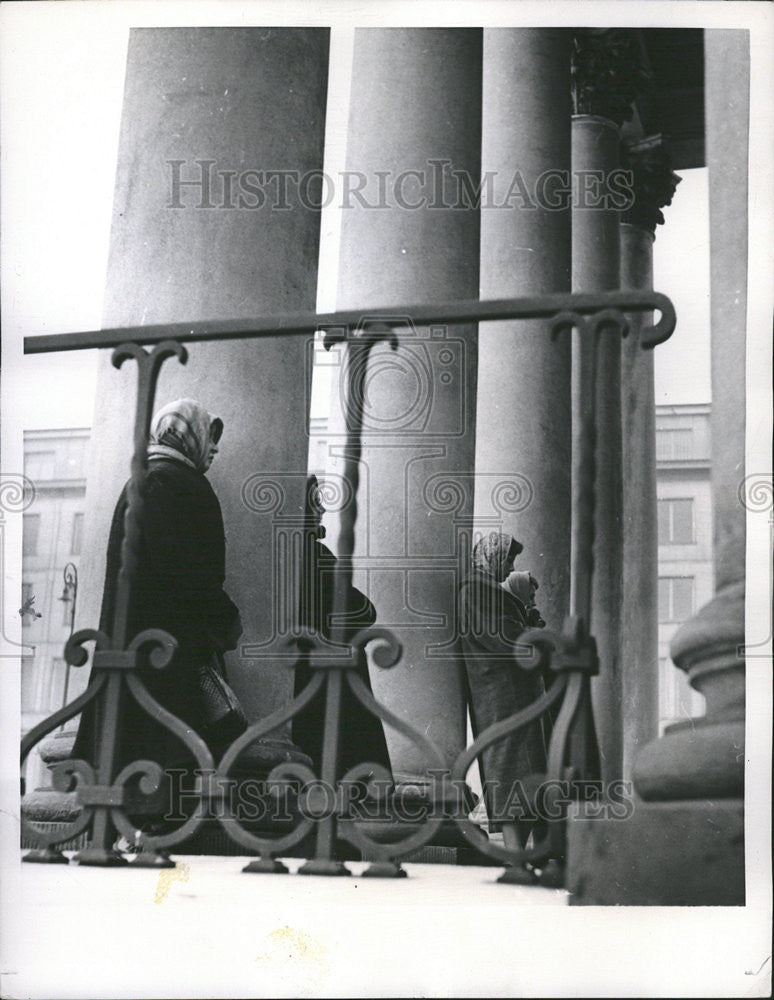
[178,588]
[361,734]
[491,620]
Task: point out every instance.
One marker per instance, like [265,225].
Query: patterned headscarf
[184,430]
[519,583]
[494,553]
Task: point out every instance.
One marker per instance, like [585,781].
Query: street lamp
[69,596]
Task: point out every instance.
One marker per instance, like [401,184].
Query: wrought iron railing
[569,657]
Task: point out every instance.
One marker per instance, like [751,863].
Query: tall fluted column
[410,233]
[202,231]
[596,244]
[653,187]
[523,438]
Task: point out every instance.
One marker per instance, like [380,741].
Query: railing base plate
[323,866]
[550,875]
[518,875]
[99,857]
[266,866]
[46,856]
[384,869]
[152,859]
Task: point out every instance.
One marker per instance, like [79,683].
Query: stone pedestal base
[666,854]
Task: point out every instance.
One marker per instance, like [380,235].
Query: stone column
[206,226]
[596,241]
[639,612]
[705,757]
[684,845]
[410,233]
[653,187]
[523,440]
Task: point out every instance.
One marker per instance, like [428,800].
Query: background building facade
[685,564]
[55,463]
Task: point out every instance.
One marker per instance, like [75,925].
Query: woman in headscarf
[522,585]
[361,737]
[491,620]
[178,587]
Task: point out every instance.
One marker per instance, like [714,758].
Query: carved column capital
[607,73]
[653,181]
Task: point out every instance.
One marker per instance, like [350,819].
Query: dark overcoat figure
[361,734]
[178,588]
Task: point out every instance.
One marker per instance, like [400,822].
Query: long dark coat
[362,735]
[491,620]
[179,588]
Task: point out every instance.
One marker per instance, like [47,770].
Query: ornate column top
[653,181]
[607,73]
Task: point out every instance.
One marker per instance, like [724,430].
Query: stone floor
[204,929]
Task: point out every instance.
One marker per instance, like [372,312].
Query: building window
[30,533]
[40,465]
[26,595]
[27,684]
[76,458]
[56,685]
[675,598]
[666,689]
[67,610]
[675,522]
[75,544]
[673,444]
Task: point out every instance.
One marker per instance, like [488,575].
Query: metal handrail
[459,311]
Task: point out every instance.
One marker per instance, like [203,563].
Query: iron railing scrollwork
[568,657]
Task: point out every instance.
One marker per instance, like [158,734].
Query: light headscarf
[184,430]
[519,583]
[494,552]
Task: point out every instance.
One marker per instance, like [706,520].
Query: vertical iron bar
[109,734]
[99,850]
[357,358]
[325,830]
[353,409]
[585,466]
[582,742]
[134,508]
